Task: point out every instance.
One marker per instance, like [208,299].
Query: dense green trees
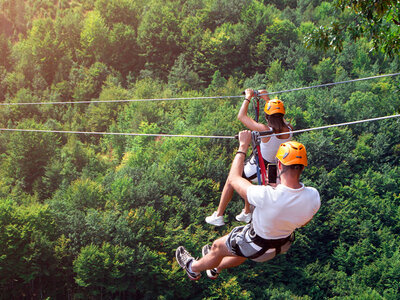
[91,216]
[378,21]
[28,262]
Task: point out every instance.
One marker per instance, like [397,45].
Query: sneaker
[215,220]
[243,217]
[184,259]
[212,273]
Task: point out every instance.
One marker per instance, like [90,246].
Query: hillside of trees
[100,216]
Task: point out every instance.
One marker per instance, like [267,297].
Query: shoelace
[184,255]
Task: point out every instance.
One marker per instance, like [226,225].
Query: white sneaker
[215,220]
[243,217]
[184,259]
[212,273]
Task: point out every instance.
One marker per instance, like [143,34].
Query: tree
[94,38]
[159,35]
[110,271]
[123,52]
[45,49]
[280,33]
[15,12]
[325,71]
[275,72]
[226,49]
[120,11]
[68,26]
[5,52]
[87,82]
[220,12]
[217,82]
[182,77]
[378,21]
[28,154]
[28,266]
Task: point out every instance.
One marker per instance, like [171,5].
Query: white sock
[190,268]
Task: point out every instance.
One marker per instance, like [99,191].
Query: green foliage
[275,72]
[83,195]
[27,240]
[182,77]
[94,37]
[5,51]
[230,290]
[159,36]
[27,156]
[217,83]
[97,267]
[225,50]
[87,82]
[325,71]
[120,11]
[379,22]
[91,216]
[280,32]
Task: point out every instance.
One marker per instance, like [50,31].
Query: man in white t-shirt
[278,212]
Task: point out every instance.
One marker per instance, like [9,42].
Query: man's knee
[218,246]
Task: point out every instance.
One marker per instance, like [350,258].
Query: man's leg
[218,252]
[230,262]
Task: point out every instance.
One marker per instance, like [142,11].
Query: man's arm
[235,178]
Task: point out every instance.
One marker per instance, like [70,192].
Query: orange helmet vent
[292,153]
[274,106]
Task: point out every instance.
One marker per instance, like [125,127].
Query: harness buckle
[255,139]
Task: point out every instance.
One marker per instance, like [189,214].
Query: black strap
[247,161]
[268,244]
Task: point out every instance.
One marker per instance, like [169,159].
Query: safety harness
[263,244]
[261,170]
[268,244]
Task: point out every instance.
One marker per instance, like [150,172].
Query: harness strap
[261,165]
[257,156]
[261,171]
[268,244]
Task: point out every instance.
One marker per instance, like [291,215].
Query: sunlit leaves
[378,21]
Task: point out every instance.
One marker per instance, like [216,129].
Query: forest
[96,216]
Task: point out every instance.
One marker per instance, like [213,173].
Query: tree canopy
[100,216]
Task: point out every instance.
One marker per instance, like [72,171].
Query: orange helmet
[274,106]
[292,153]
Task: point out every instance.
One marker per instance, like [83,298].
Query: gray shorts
[239,239]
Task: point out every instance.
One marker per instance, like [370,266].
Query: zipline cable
[192,98]
[116,133]
[338,125]
[333,83]
[198,136]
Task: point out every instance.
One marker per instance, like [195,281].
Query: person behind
[274,112]
[278,212]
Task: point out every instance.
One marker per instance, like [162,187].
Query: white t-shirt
[279,211]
